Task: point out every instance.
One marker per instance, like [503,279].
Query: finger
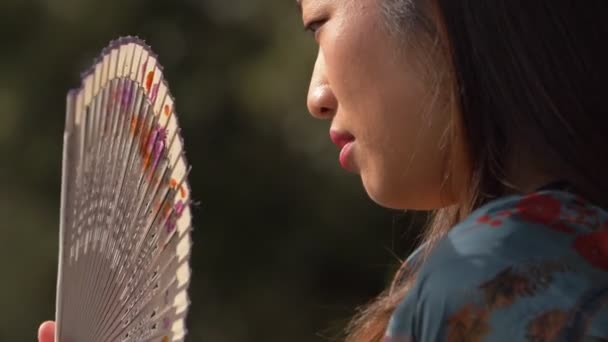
[46,332]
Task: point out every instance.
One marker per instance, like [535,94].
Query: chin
[384,195]
[403,197]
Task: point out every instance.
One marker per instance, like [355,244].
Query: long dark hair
[530,79]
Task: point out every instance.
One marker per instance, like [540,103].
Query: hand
[46,332]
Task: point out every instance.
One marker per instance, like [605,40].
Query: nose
[321,102]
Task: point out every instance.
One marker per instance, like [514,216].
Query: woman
[491,114]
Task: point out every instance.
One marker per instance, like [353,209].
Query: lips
[345,142]
[341,139]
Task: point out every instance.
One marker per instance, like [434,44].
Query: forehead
[300,4]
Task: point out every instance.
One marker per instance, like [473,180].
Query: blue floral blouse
[521,268]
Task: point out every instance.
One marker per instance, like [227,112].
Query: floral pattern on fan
[125,210]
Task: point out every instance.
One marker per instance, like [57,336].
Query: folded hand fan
[125,205]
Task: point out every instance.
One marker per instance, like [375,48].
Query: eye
[314,25]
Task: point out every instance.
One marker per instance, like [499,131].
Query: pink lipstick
[344,141]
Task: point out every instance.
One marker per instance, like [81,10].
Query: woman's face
[388,112]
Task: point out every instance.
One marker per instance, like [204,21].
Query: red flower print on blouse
[547,326]
[539,208]
[594,248]
[543,209]
[469,324]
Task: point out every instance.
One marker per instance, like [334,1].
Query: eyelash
[314,26]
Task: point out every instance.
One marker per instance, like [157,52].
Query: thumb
[46,332]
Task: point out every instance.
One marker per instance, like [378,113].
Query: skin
[368,85]
[46,332]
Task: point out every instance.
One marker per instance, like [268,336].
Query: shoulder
[520,230]
[517,265]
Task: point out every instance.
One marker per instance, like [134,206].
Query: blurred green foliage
[287,244]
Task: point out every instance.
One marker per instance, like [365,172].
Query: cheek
[406,151]
[406,167]
[385,99]
[354,55]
